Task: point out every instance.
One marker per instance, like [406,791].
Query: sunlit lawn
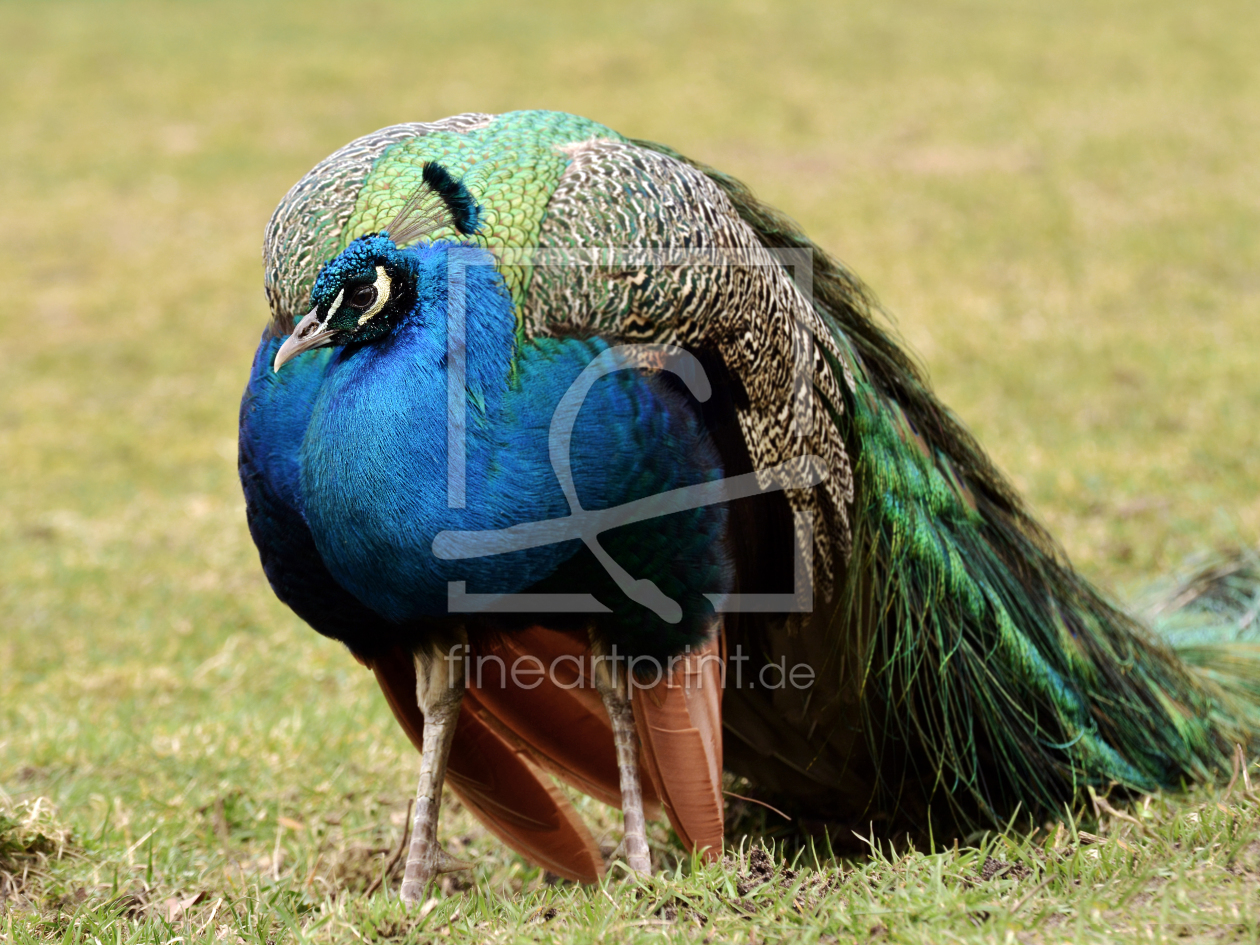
[1059,202]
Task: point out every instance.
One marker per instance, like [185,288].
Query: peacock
[613,479]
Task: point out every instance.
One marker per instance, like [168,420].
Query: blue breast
[275,411]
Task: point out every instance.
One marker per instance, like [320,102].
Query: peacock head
[370,284]
[357,296]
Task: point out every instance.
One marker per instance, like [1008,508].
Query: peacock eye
[362,297]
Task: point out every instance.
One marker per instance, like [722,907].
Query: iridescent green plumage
[511,166]
[997,676]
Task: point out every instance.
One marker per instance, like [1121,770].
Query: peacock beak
[307,334]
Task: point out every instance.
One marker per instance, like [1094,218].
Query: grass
[1173,869]
[1058,202]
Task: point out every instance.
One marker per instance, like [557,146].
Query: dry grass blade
[393,860]
[753,800]
[1103,806]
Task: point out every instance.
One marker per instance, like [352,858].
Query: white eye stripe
[382,294]
[336,304]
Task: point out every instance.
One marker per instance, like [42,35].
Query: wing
[560,719]
[679,721]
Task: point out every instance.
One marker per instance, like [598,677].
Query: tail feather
[1211,619]
[1217,602]
[996,678]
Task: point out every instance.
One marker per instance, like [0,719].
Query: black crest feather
[465,213]
[440,201]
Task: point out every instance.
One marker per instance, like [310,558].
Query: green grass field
[1059,202]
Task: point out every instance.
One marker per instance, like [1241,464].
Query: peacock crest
[439,201]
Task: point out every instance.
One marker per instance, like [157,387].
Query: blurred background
[1058,203]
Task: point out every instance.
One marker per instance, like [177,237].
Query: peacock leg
[439,693]
[613,687]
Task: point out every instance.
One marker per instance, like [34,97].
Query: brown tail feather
[679,721]
[499,783]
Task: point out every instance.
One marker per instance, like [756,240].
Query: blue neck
[374,461]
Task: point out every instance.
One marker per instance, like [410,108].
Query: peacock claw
[413,887]
[448,864]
